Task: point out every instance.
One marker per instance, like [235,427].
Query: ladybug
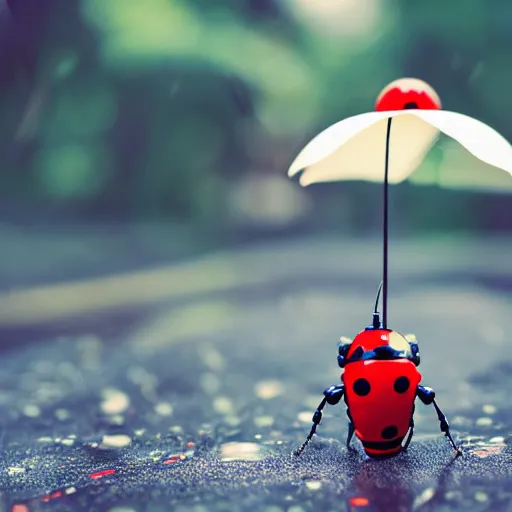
[380,383]
[408,93]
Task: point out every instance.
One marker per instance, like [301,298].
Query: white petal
[477,137]
[330,139]
[354,149]
[459,169]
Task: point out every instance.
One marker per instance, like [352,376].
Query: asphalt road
[156,401]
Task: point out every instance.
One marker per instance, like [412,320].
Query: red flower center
[408,93]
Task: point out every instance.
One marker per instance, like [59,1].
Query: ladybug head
[378,344]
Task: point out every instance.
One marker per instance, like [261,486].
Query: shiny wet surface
[197,403]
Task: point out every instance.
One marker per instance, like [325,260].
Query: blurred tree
[123,110]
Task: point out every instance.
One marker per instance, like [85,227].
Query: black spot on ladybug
[411,104]
[401,384]
[389,432]
[361,387]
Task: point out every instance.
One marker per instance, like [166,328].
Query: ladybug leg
[427,396]
[445,427]
[332,396]
[409,437]
[351,430]
[350,434]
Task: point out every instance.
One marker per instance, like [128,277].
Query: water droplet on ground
[489,409]
[268,389]
[62,414]
[481,497]
[241,451]
[115,441]
[484,422]
[223,405]
[32,411]
[305,416]
[164,409]
[264,421]
[424,497]
[16,470]
[114,401]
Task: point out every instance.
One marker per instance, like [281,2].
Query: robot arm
[332,396]
[427,396]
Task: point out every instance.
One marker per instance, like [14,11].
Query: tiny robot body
[380,383]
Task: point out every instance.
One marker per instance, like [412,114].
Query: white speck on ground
[268,389]
[241,451]
[210,383]
[16,471]
[484,422]
[305,416]
[62,414]
[32,411]
[264,421]
[114,401]
[314,485]
[481,497]
[115,441]
[489,409]
[424,497]
[223,405]
[164,408]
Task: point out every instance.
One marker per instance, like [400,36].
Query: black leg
[427,396]
[443,423]
[317,417]
[332,396]
[351,431]
[409,437]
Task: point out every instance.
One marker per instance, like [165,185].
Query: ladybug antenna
[376,309]
[376,316]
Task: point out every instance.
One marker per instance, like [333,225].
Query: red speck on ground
[359,501]
[19,508]
[172,460]
[53,496]
[101,474]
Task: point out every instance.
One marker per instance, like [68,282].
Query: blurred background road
[171,304]
[190,384]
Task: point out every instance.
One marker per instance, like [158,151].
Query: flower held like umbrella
[397,136]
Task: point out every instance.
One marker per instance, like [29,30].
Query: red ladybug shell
[380,394]
[407,93]
[374,338]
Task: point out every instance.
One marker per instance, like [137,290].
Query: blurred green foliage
[122,110]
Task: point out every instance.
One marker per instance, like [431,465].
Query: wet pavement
[195,401]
